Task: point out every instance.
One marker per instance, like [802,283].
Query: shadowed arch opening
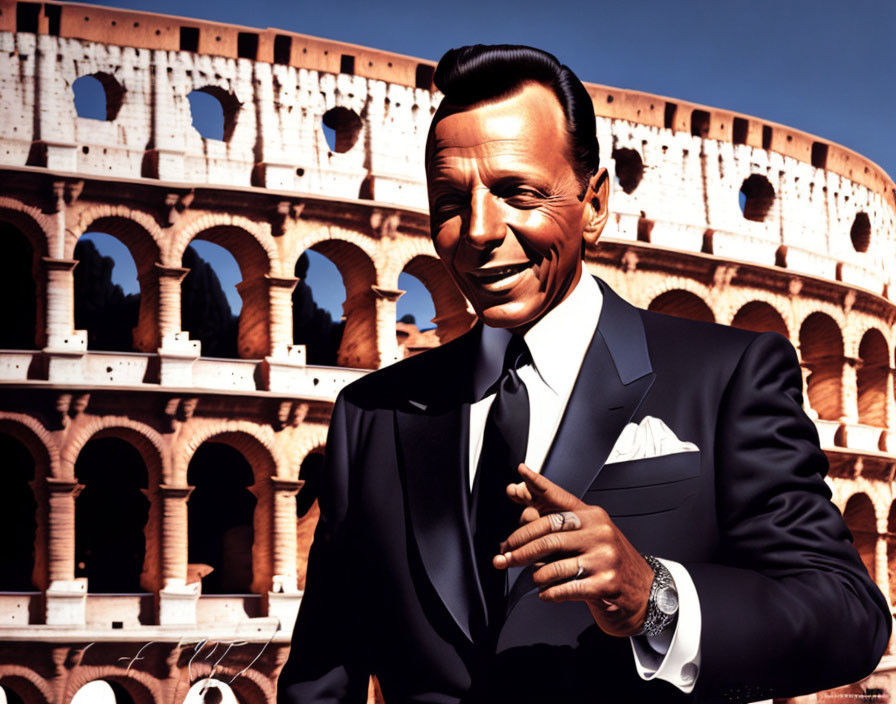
[205,310]
[231,473]
[21,690]
[859,517]
[759,316]
[341,128]
[358,346]
[871,379]
[682,304]
[629,168]
[19,269]
[117,313]
[821,352]
[450,307]
[307,511]
[111,514]
[860,232]
[18,516]
[757,197]
[214,112]
[98,96]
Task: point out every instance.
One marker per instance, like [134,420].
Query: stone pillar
[146,335]
[363,335]
[891,400]
[65,345]
[386,315]
[66,595]
[280,290]
[283,599]
[849,392]
[177,599]
[177,351]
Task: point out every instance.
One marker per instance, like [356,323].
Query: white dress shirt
[558,343]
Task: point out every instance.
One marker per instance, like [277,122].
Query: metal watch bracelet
[662,604]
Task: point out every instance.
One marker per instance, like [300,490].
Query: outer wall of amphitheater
[716,216]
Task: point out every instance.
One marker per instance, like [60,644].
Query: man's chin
[512,316]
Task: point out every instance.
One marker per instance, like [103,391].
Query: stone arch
[643,296]
[147,441]
[760,316]
[821,352]
[452,317]
[255,253]
[34,228]
[113,92]
[249,686]
[264,461]
[683,304]
[25,682]
[140,686]
[142,236]
[871,378]
[861,520]
[354,258]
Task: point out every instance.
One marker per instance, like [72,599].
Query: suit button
[688,673]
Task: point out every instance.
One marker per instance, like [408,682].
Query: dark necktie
[503,448]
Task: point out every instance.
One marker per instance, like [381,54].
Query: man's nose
[486,223]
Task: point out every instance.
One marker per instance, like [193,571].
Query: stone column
[280,290]
[66,595]
[177,599]
[386,314]
[283,599]
[65,346]
[177,351]
[254,337]
[849,391]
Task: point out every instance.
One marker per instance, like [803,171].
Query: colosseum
[181,572]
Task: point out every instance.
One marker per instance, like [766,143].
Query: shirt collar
[557,342]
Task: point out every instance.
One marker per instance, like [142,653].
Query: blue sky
[821,66]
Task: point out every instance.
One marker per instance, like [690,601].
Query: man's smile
[498,277]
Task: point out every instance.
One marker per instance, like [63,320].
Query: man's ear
[597,210]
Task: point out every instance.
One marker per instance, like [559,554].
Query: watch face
[667,600]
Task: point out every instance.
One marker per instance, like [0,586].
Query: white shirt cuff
[674,656]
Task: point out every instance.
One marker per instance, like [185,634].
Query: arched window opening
[415,311]
[107,294]
[757,197]
[17,283]
[214,112]
[357,345]
[871,379]
[859,517]
[220,513]
[821,350]
[18,511]
[210,691]
[860,232]
[629,168]
[9,696]
[307,511]
[341,128]
[208,298]
[317,308]
[102,692]
[110,514]
[98,96]
[682,304]
[759,316]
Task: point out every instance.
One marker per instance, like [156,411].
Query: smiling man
[577,500]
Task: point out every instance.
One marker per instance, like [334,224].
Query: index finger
[547,495]
[552,523]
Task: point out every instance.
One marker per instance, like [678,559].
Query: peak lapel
[615,376]
[433,453]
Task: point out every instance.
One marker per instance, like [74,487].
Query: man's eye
[524,198]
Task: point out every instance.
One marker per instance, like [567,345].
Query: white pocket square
[649,438]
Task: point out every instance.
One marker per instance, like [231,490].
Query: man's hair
[484,73]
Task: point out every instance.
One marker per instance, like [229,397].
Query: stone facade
[807,252]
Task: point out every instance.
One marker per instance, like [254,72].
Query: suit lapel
[434,453]
[615,376]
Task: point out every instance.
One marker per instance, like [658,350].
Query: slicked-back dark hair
[486,72]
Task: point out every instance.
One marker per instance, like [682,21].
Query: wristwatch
[662,604]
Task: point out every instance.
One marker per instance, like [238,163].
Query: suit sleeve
[325,662]
[788,608]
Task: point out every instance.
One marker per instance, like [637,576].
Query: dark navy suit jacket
[787,606]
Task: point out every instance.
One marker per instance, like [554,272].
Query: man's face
[506,216]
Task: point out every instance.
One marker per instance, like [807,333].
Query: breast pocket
[640,487]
